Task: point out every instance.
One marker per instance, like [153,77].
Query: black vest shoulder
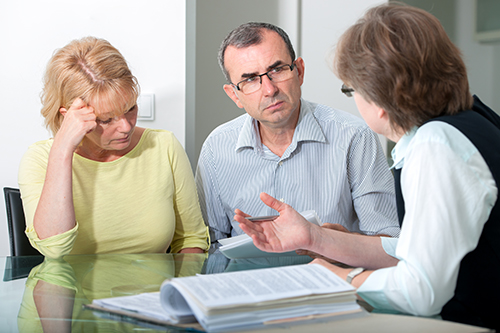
[478,284]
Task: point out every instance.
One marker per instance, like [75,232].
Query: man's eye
[276,70]
[251,79]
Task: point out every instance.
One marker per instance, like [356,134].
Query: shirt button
[282,200]
[280,163]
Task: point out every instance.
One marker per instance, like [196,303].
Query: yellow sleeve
[190,230]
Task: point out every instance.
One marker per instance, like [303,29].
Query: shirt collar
[399,151]
[307,129]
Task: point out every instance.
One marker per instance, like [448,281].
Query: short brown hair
[91,69]
[400,58]
[249,34]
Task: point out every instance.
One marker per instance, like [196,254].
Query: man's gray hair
[249,34]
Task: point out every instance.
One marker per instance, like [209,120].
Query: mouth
[274,106]
[123,139]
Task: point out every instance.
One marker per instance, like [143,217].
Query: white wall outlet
[146,105]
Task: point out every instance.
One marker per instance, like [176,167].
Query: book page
[148,304]
[244,287]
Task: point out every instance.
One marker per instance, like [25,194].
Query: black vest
[478,284]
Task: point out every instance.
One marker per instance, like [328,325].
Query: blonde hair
[93,70]
[400,58]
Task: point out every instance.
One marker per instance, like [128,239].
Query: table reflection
[56,290]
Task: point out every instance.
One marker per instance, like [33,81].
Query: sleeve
[445,215]
[31,178]
[190,231]
[372,186]
[209,195]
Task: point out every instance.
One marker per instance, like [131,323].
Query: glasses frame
[237,85]
[346,90]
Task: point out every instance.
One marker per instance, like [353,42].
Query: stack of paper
[245,299]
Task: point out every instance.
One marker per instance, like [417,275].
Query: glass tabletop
[39,295]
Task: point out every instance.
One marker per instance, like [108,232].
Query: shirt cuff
[373,290]
[56,246]
[389,245]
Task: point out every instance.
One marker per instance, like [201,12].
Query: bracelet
[355,272]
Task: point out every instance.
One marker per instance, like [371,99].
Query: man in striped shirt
[308,155]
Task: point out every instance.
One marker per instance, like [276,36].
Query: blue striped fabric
[334,165]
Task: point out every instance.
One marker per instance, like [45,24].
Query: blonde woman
[103,185]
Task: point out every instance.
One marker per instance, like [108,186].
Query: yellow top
[141,203]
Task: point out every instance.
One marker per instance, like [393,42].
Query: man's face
[274,105]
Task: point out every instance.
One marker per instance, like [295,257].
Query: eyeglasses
[346,90]
[277,74]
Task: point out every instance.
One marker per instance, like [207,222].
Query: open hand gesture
[289,232]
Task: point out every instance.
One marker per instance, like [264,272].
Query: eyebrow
[109,115]
[276,64]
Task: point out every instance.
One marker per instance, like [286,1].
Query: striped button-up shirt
[335,165]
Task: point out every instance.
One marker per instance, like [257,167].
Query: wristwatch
[352,274]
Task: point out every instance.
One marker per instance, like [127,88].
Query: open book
[243,300]
[242,246]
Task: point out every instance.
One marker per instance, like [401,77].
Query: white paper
[254,289]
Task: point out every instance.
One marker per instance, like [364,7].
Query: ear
[299,63]
[62,111]
[381,114]
[231,93]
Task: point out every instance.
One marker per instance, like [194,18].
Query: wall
[479,58]
[482,59]
[323,21]
[150,34]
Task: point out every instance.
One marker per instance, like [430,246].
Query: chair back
[19,243]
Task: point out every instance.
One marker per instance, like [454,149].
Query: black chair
[19,243]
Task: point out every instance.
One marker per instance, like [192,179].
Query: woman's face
[113,132]
[369,111]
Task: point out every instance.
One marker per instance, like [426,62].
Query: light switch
[146,105]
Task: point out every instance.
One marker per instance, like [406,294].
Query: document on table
[244,299]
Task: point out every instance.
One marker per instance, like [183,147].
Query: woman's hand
[78,121]
[289,232]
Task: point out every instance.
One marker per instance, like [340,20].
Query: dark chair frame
[19,243]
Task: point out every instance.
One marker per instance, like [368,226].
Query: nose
[268,86]
[124,125]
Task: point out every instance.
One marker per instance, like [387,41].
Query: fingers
[79,104]
[79,120]
[335,226]
[321,262]
[272,202]
[239,212]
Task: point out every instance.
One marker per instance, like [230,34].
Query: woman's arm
[191,234]
[55,212]
[291,231]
